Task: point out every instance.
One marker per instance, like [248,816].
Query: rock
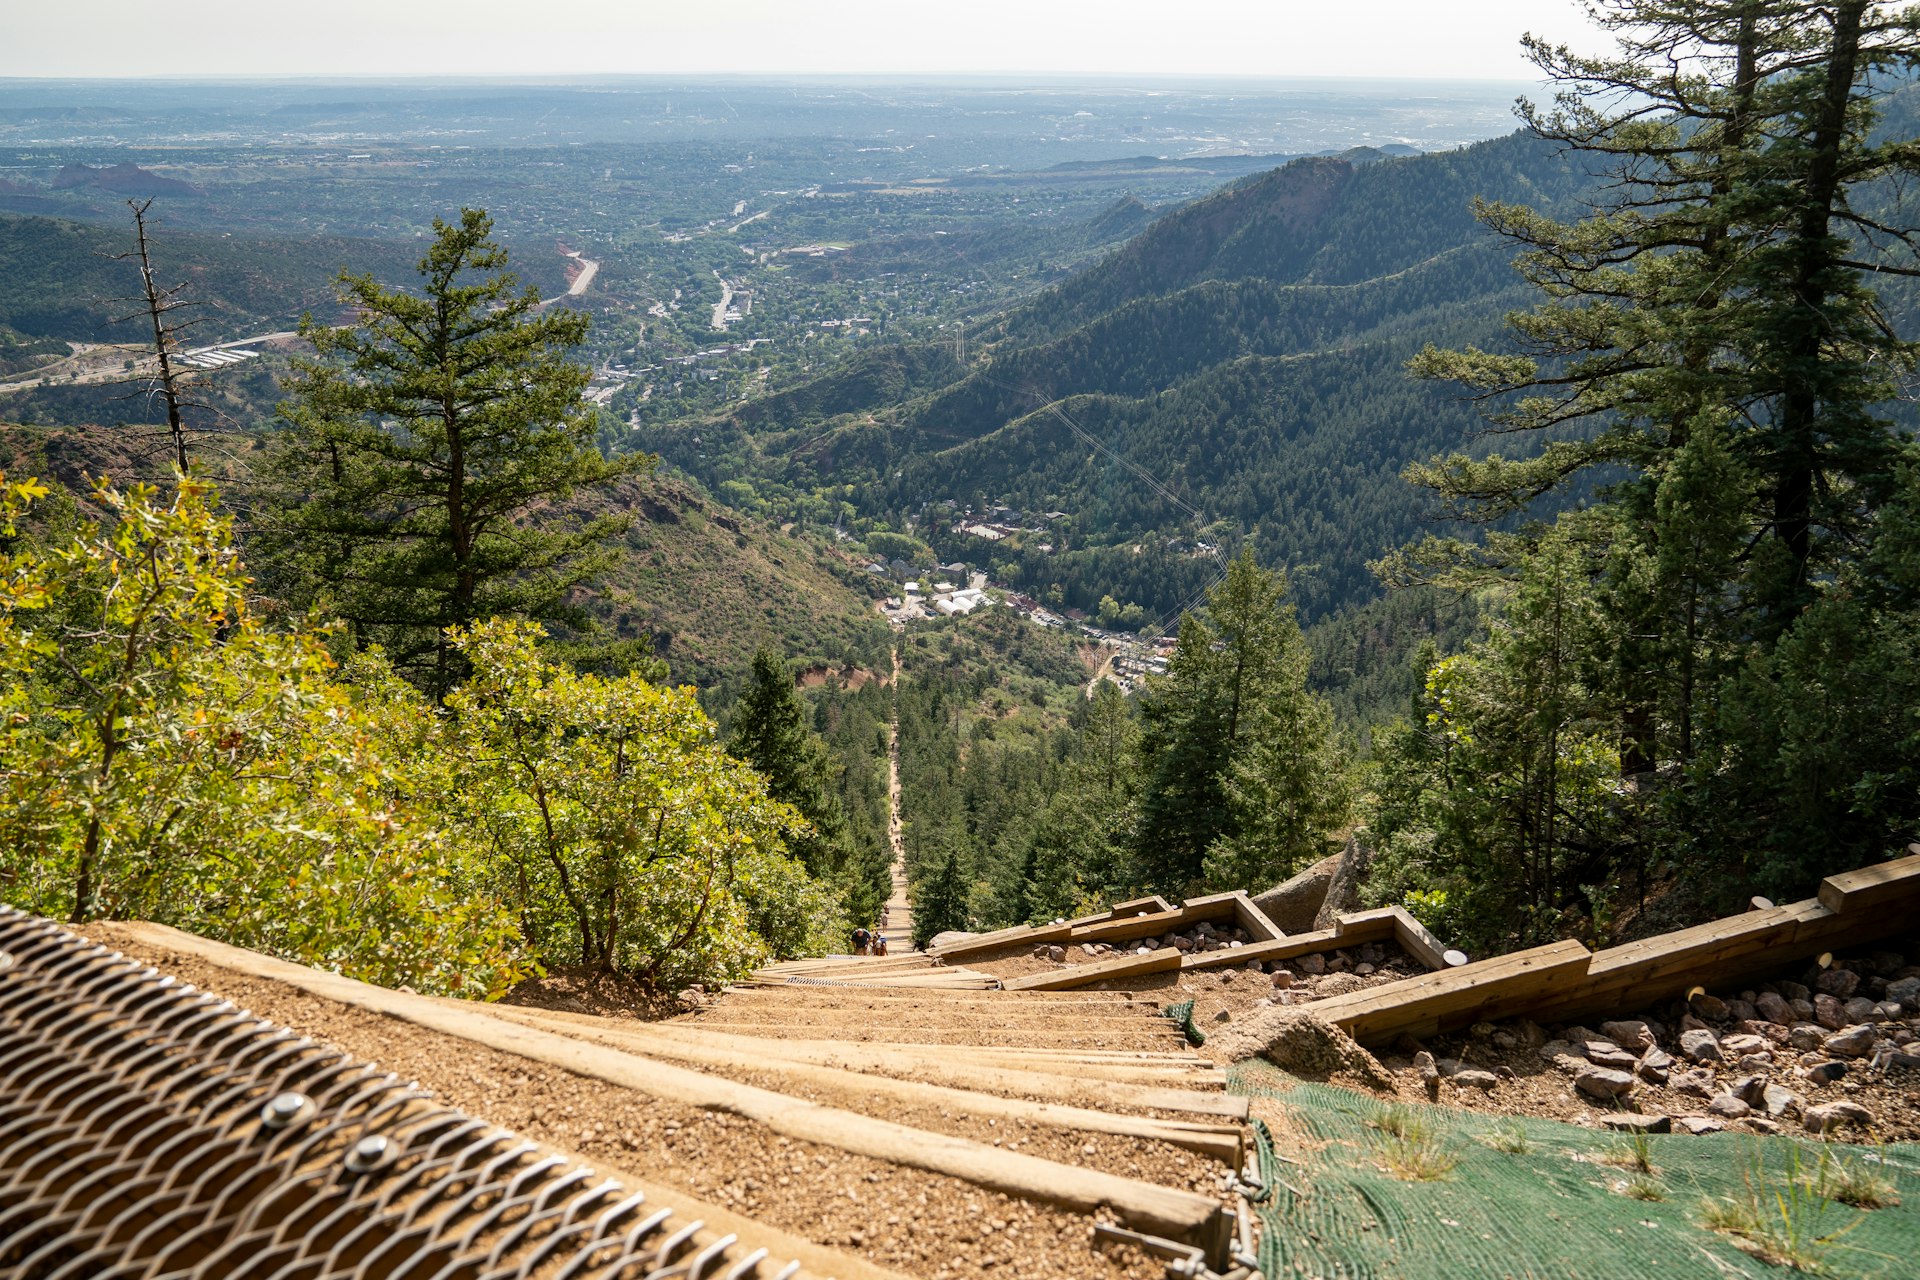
[1369,954]
[1429,1074]
[1900,1058]
[1451,1066]
[1712,1008]
[1339,984]
[1343,889]
[1887,1011]
[1701,1046]
[1554,1049]
[1802,1010]
[1572,1063]
[1861,1009]
[1225,1015]
[1298,1041]
[1697,1125]
[1603,1083]
[1778,1100]
[1339,964]
[1183,943]
[1748,1089]
[1906,991]
[1282,979]
[1056,954]
[1605,1053]
[1294,903]
[1728,1107]
[1741,1010]
[1484,1081]
[1734,1046]
[1761,1124]
[1829,1012]
[1226,975]
[1837,982]
[1854,1042]
[1040,951]
[1751,1062]
[1826,1072]
[1794,991]
[1697,1083]
[1625,1031]
[1481,1030]
[1532,1033]
[1806,1036]
[1774,1007]
[1657,1059]
[1831,1115]
[1313,964]
[1636,1122]
[1254,966]
[1363,969]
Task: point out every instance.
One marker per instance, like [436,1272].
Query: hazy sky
[1469,39]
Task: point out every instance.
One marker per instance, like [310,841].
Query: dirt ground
[923,1224]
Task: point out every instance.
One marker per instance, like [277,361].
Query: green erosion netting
[1182,1013]
[1554,1210]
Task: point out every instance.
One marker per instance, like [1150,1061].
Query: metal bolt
[369,1153]
[287,1109]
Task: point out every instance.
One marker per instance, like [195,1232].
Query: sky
[1420,39]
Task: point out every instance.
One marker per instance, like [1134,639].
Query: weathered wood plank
[1871,886]
[1417,941]
[1081,975]
[1434,1002]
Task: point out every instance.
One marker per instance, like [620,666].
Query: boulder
[1292,904]
[1774,1007]
[1603,1083]
[1712,1008]
[1701,1046]
[1429,1074]
[1830,1115]
[1626,1032]
[1806,1036]
[1854,1042]
[1636,1122]
[1840,983]
[1860,1009]
[1829,1012]
[1343,889]
[1778,1100]
[1697,1083]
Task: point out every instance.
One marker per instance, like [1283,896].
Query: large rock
[1828,1115]
[950,938]
[1837,982]
[1292,905]
[1906,991]
[1774,1007]
[1701,1046]
[1603,1083]
[1299,1041]
[1343,890]
[1854,1042]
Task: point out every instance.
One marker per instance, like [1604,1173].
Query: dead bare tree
[159,304]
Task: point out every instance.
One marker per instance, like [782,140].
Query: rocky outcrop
[1343,890]
[1294,904]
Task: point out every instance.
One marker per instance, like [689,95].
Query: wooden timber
[1165,960]
[1565,982]
[1176,1214]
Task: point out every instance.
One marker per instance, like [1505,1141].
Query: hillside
[702,584]
[1242,359]
[64,282]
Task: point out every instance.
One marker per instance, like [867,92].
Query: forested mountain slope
[1245,351]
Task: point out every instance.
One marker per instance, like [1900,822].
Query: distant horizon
[884,77]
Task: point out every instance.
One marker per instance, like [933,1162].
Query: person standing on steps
[862,941]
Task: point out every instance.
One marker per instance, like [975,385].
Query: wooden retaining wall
[1565,982]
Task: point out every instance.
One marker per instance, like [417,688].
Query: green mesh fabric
[1555,1210]
[1182,1013]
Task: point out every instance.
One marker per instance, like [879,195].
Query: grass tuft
[1410,1146]
[1510,1138]
[1634,1151]
[1779,1217]
[1642,1187]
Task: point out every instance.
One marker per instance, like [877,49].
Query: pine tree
[424,448]
[941,905]
[1231,729]
[770,733]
